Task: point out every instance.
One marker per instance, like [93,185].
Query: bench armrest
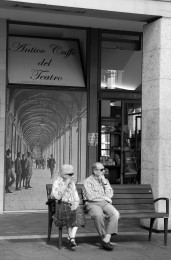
[53,200]
[167,203]
[50,201]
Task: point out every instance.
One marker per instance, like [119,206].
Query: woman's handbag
[62,214]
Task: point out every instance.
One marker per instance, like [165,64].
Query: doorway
[120,140]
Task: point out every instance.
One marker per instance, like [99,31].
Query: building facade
[116,84]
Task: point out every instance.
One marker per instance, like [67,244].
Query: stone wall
[156,110]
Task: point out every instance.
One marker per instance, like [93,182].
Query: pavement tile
[23,237]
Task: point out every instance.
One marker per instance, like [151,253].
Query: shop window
[121,62]
[120,106]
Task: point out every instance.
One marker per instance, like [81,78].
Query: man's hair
[8,152]
[18,155]
[94,165]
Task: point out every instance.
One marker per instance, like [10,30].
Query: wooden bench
[132,201]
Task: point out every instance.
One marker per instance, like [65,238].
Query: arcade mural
[44,129]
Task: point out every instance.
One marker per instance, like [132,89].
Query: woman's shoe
[72,242]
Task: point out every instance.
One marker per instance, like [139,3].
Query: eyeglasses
[100,169]
[70,174]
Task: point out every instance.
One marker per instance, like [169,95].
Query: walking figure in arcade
[28,169]
[51,164]
[23,174]
[10,176]
[18,170]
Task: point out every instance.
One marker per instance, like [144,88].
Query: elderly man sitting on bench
[97,193]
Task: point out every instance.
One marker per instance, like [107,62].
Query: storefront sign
[93,139]
[44,62]
[120,95]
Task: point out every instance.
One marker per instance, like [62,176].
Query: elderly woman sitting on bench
[64,189]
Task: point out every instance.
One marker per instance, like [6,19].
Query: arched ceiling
[57,109]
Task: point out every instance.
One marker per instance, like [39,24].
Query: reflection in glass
[121,61]
[121,140]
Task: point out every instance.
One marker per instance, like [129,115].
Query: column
[156,110]
[83,149]
[74,148]
[92,95]
[3,44]
[67,146]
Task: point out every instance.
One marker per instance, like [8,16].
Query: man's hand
[108,200]
[102,179]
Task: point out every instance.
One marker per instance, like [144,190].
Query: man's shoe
[18,189]
[30,187]
[107,245]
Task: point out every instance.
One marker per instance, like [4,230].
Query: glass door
[120,140]
[131,142]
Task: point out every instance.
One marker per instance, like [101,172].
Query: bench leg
[60,237]
[165,230]
[151,227]
[50,220]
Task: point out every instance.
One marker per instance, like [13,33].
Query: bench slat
[125,215]
[144,215]
[136,206]
[124,211]
[127,194]
[130,186]
[144,207]
[133,191]
[131,201]
[131,196]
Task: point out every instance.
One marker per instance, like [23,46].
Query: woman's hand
[67,181]
[74,206]
[72,185]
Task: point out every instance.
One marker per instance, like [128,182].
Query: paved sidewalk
[23,237]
